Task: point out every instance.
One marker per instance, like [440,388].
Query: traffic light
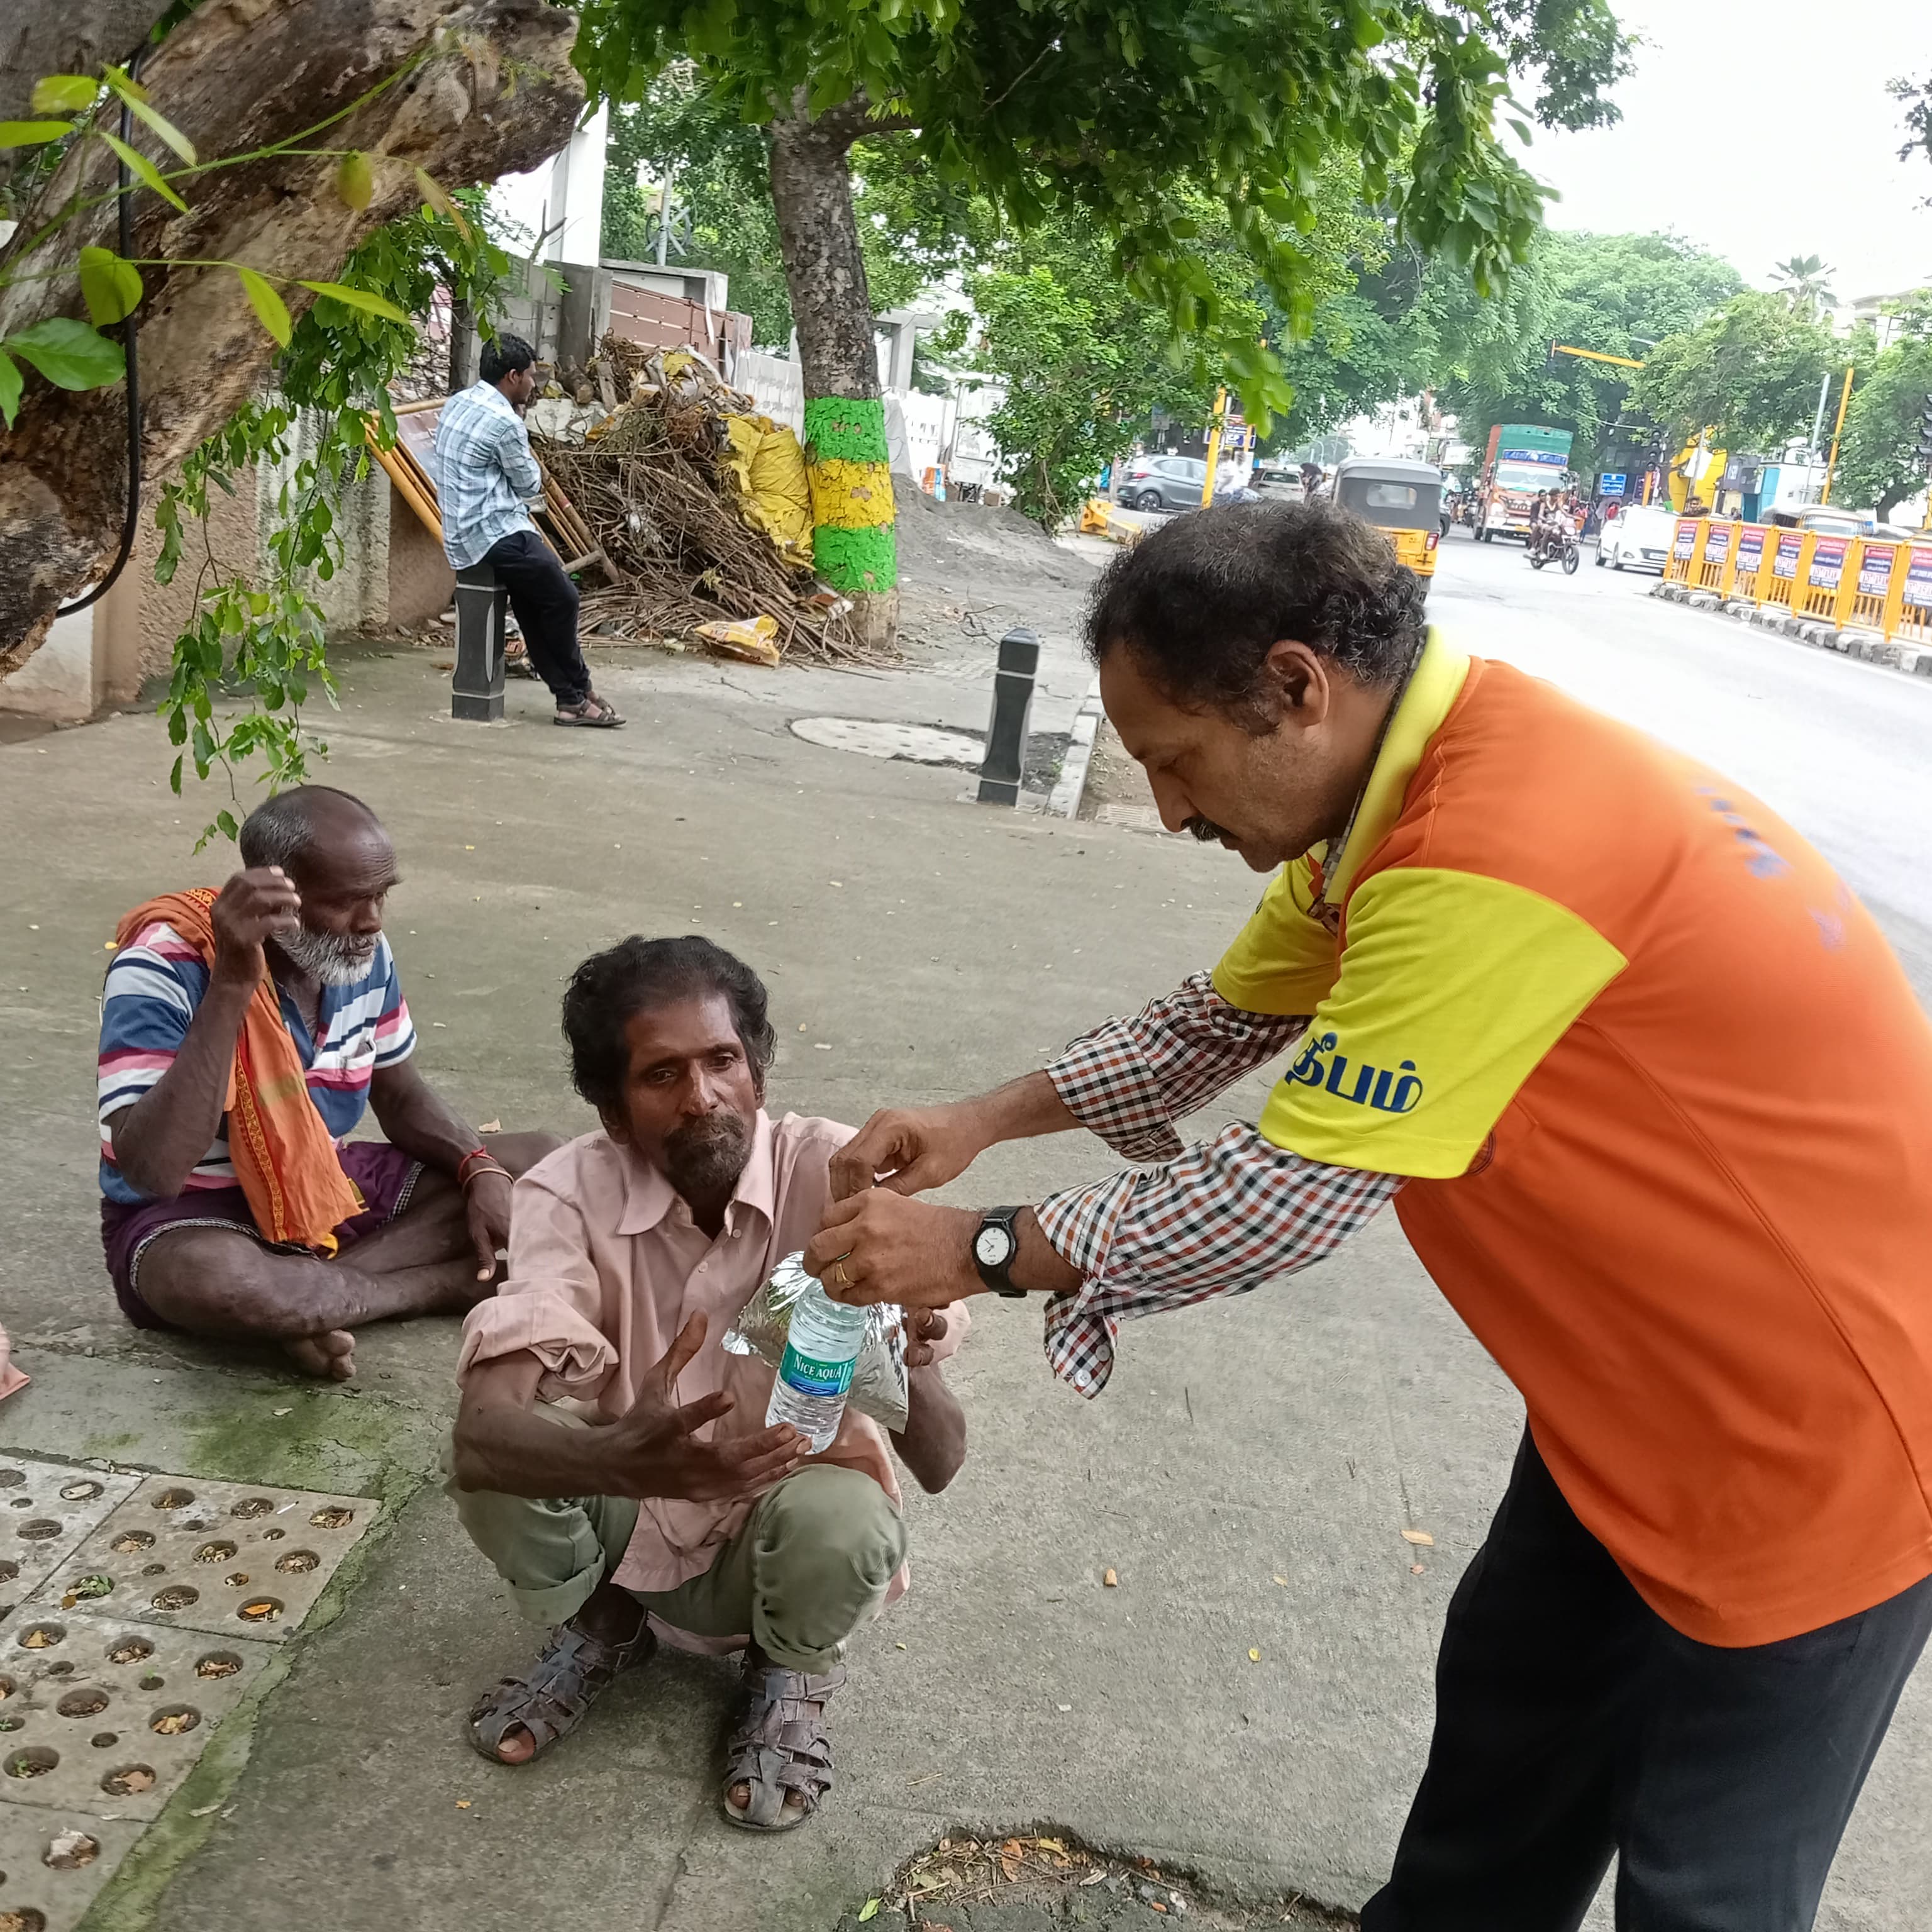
[1925,445]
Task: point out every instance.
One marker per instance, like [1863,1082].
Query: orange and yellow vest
[1664,1095]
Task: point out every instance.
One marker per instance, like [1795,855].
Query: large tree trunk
[489,91]
[853,541]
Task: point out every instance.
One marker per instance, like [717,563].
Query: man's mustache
[1208,832]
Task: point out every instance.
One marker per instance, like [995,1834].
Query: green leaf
[869,1910]
[226,820]
[69,354]
[355,181]
[135,97]
[437,196]
[110,286]
[361,298]
[143,169]
[174,777]
[32,133]
[64,93]
[269,307]
[11,384]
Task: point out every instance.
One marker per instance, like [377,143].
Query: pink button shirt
[607,1265]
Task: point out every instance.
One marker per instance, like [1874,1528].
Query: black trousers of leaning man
[545,602]
[1573,1723]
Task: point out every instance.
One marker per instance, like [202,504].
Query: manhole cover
[877,738]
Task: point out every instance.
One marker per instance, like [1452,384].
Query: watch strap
[999,1278]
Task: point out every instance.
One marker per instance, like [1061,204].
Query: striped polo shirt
[153,986]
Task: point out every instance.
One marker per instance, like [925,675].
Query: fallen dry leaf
[174,1723]
[136,1777]
[1282,1581]
[490,1127]
[1421,1536]
[1415,1569]
[71,1850]
[1009,1869]
[1110,1579]
[1254,1656]
[463,1804]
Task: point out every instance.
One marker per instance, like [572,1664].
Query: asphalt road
[1837,747]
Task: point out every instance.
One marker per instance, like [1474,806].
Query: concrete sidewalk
[1248,1476]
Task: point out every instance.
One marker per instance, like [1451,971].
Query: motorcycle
[1556,545]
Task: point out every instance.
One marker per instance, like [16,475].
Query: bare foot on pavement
[331,1355]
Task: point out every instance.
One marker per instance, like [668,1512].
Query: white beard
[328,959]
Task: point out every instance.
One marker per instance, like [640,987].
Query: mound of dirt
[957,544]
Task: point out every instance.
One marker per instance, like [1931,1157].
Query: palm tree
[1805,283]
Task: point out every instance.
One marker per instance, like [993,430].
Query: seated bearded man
[242,1033]
[633,1251]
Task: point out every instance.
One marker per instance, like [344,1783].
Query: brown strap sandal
[780,1746]
[571,1669]
[597,712]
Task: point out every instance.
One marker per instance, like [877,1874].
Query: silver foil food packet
[878,1376]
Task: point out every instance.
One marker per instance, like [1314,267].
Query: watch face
[993,1245]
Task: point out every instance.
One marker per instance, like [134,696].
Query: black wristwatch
[995,1248]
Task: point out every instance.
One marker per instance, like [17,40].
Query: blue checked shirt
[1218,1219]
[484,473]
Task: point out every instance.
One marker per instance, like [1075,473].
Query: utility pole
[664,219]
[1838,430]
[1924,453]
[1214,445]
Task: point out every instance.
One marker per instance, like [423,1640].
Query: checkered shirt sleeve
[1227,1215]
[1128,1081]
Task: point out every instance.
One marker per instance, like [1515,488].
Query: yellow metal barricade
[1750,562]
[1869,571]
[1779,576]
[1713,555]
[1915,595]
[1821,574]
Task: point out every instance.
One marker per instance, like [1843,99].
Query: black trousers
[545,602]
[1572,1723]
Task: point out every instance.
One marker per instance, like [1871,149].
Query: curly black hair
[1200,603]
[638,974]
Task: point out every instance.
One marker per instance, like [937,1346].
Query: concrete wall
[420,581]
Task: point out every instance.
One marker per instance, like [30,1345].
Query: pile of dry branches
[649,486]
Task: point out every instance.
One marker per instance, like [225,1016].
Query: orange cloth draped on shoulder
[283,1156]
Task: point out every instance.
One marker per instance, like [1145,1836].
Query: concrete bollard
[1004,765]
[476,688]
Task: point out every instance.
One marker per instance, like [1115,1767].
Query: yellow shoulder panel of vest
[1451,989]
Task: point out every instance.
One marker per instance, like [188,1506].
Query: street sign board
[1828,563]
[1614,484]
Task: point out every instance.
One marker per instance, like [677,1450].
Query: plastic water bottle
[810,1388]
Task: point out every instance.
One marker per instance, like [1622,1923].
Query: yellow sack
[756,642]
[765,461]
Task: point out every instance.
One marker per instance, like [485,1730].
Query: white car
[1637,539]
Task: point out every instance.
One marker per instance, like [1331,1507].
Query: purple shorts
[385,1175]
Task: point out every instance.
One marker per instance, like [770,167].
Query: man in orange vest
[1549,985]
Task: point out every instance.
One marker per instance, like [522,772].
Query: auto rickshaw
[1402,499]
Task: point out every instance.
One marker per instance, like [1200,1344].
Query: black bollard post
[1004,765]
[476,689]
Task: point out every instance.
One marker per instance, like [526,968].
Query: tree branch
[485,88]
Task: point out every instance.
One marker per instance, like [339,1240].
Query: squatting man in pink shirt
[611,1457]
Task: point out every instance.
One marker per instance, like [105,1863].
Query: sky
[1762,129]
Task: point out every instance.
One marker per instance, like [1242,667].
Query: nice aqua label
[812,1377]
